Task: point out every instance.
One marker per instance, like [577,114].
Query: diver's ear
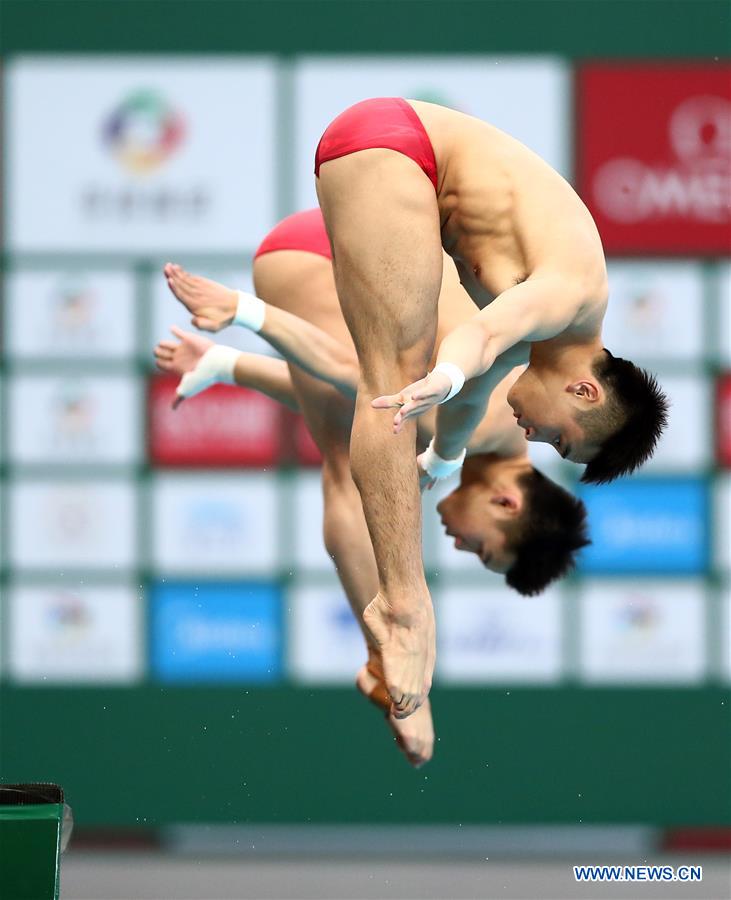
[510,502]
[587,390]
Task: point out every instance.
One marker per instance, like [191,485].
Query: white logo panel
[655,311]
[72,524]
[147,153]
[310,552]
[215,524]
[495,635]
[686,444]
[637,631]
[71,315]
[77,419]
[61,634]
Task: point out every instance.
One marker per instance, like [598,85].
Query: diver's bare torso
[507,216]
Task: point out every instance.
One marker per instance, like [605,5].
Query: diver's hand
[415,399]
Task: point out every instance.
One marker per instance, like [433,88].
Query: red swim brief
[387,122]
[301,231]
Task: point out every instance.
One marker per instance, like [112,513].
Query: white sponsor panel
[148,153]
[655,311]
[724,300]
[75,634]
[643,631]
[71,524]
[492,634]
[687,443]
[326,644]
[722,523]
[526,97]
[215,524]
[167,311]
[70,314]
[74,419]
[309,544]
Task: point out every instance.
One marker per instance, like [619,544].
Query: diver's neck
[564,354]
[490,467]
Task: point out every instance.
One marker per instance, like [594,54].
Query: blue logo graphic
[216,632]
[653,526]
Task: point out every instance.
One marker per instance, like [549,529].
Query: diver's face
[476,517]
[546,408]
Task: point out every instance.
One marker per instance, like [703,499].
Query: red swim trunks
[301,231]
[387,122]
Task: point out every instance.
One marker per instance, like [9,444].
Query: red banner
[223,426]
[723,420]
[654,156]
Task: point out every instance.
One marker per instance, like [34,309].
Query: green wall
[154,755]
[576,28]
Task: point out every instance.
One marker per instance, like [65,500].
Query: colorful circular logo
[144,131]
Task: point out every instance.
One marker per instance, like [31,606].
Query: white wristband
[216,366]
[438,468]
[250,311]
[455,375]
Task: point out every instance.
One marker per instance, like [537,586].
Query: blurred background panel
[169,613]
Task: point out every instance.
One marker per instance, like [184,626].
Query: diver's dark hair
[628,424]
[547,536]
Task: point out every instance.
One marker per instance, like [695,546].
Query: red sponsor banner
[223,426]
[305,446]
[654,156]
[723,420]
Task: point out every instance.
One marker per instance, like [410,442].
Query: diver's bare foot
[407,649]
[415,735]
[211,305]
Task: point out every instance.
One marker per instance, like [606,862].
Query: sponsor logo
[653,526]
[73,419]
[643,632]
[694,185]
[216,632]
[143,131]
[85,634]
[485,636]
[658,167]
[73,311]
[640,615]
[67,614]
